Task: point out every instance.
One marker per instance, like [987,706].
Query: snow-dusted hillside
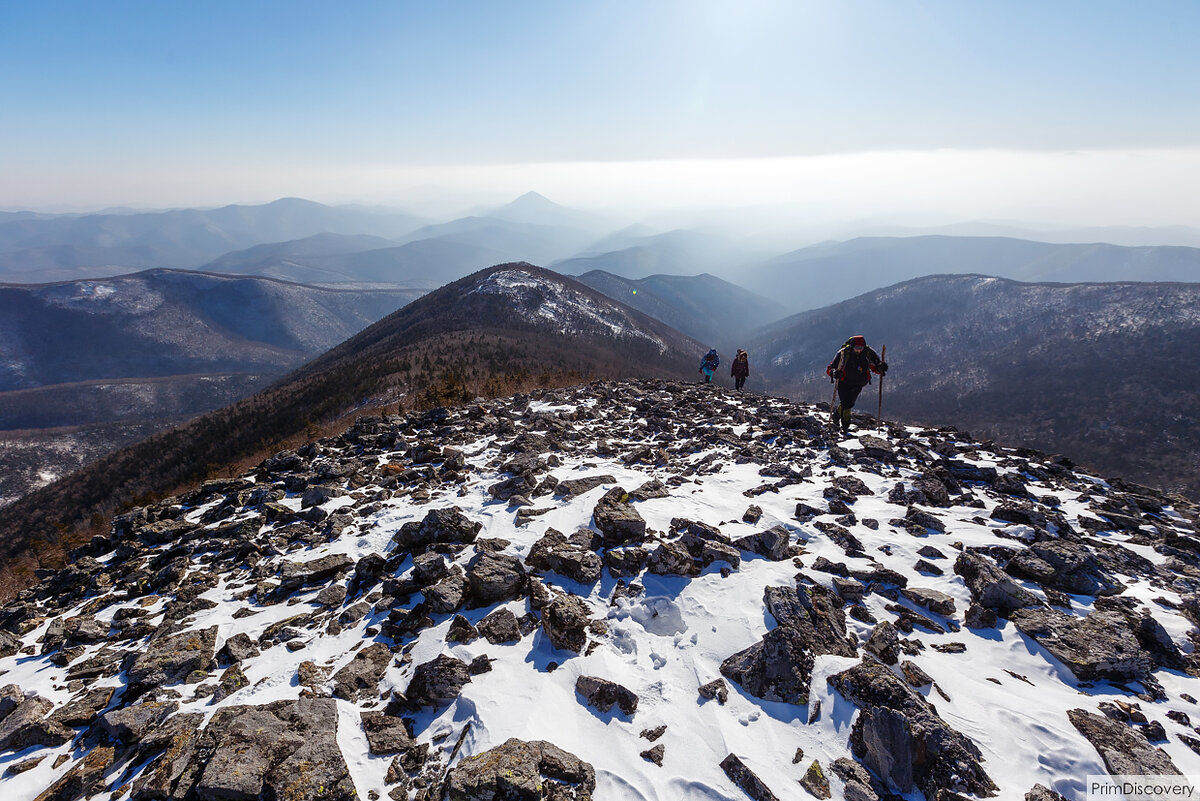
[640,590]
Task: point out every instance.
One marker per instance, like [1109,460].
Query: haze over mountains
[307,242]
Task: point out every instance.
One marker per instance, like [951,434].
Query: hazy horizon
[921,113]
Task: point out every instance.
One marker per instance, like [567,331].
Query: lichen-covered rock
[522,771]
[363,672]
[171,659]
[565,622]
[283,750]
[437,682]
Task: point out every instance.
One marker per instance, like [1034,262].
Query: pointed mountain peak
[537,209]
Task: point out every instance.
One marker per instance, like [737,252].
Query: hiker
[740,369]
[851,368]
[709,364]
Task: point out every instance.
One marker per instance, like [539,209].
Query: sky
[1063,113]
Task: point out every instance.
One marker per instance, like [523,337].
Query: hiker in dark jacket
[851,368]
[709,364]
[740,369]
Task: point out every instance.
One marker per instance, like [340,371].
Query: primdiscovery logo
[1143,788]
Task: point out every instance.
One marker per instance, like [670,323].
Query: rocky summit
[619,590]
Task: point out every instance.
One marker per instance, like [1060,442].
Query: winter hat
[858,341]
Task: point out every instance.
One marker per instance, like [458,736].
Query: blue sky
[147,103]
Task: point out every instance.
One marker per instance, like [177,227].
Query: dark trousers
[848,393]
[739,381]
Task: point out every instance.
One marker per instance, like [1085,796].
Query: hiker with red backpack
[851,368]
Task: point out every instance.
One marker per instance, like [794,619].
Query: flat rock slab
[529,771]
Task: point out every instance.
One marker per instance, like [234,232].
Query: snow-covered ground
[1002,690]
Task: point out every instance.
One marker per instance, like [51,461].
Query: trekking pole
[879,412]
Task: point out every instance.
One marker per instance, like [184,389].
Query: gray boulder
[131,724]
[1098,646]
[884,643]
[363,673]
[1068,566]
[522,771]
[1124,750]
[500,626]
[577,486]
[774,543]
[293,575]
[779,667]
[286,749]
[565,622]
[445,526]
[746,780]
[617,520]
[171,659]
[386,734]
[603,694]
[933,600]
[28,725]
[991,587]
[573,558]
[494,578]
[776,668]
[437,682]
[902,740]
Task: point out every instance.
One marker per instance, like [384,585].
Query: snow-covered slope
[371,614]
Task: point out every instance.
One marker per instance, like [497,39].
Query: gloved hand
[883,368]
[838,375]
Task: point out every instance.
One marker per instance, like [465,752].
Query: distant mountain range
[1099,372]
[115,358]
[39,248]
[301,241]
[822,274]
[507,328]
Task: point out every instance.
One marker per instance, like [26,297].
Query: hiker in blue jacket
[709,365]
